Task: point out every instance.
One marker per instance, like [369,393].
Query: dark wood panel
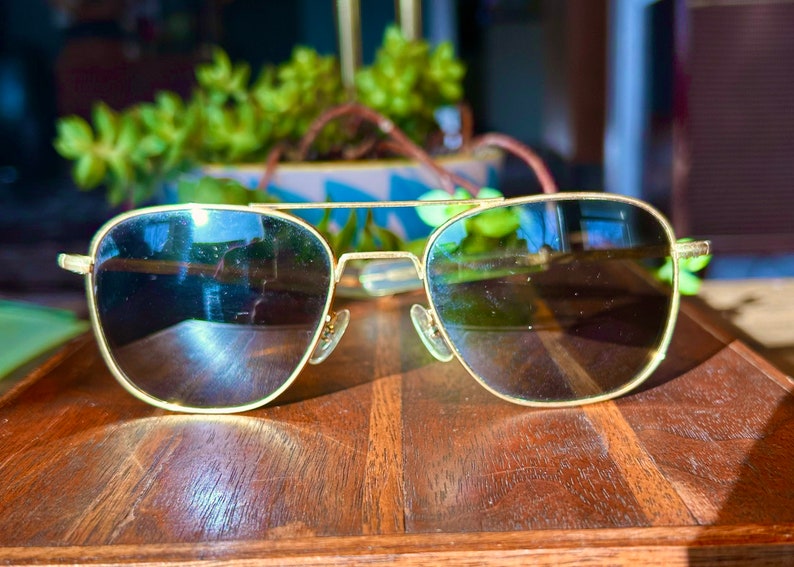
[738,125]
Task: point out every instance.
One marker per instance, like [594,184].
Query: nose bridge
[382,272]
[386,273]
[388,257]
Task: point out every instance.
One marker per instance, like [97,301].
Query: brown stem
[457,181]
[399,143]
[522,151]
[360,150]
[466,123]
[271,163]
[405,145]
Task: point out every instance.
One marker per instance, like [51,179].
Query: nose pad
[427,328]
[333,330]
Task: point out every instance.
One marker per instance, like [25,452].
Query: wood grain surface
[383,455]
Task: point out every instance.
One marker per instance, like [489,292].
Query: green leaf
[203,190]
[437,215]
[665,272]
[343,242]
[696,263]
[489,193]
[120,169]
[688,284]
[169,102]
[74,137]
[376,237]
[106,123]
[216,71]
[140,193]
[240,77]
[128,138]
[152,146]
[366,242]
[475,243]
[89,170]
[116,194]
[388,239]
[217,190]
[495,223]
[210,190]
[173,156]
[324,226]
[416,247]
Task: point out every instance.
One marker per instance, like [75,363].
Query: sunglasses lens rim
[656,352]
[312,238]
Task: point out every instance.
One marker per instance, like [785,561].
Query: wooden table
[382,454]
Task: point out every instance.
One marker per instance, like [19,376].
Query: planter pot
[375,180]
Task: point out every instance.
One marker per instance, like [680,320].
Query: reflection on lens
[560,306]
[210,308]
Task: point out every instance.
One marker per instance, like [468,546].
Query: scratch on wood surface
[113,500]
[314,431]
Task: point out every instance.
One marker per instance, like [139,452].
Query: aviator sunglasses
[216,309]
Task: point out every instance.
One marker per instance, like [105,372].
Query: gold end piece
[693,249]
[76,263]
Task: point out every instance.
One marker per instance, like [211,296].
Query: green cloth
[27,331]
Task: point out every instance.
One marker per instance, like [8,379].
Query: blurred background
[687,104]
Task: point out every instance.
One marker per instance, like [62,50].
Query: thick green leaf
[416,247]
[169,102]
[74,137]
[437,215]
[345,239]
[116,194]
[688,284]
[128,138]
[89,170]
[151,146]
[495,223]
[665,272]
[120,169]
[106,123]
[695,264]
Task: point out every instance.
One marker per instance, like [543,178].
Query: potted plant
[212,147]
[223,144]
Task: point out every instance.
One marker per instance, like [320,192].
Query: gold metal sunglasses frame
[432,334]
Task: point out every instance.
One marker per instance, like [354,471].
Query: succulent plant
[232,119]
[408,81]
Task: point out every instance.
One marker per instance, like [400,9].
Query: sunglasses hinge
[693,249]
[76,263]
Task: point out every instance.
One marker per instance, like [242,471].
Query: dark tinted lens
[552,302]
[210,308]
